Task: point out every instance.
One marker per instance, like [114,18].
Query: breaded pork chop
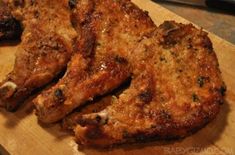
[100,65]
[45,49]
[176,89]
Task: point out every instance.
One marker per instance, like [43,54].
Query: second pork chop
[117,28]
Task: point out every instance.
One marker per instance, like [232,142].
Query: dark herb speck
[72,3]
[163,59]
[201,81]
[180,70]
[146,96]
[223,90]
[120,60]
[195,98]
[98,119]
[59,95]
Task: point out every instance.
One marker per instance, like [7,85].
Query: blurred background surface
[218,22]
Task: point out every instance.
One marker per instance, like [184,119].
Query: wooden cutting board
[20,133]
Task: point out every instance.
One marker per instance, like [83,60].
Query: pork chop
[116,33]
[176,89]
[45,49]
[176,83]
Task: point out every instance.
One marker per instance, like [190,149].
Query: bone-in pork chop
[176,89]
[45,49]
[101,65]
[176,85]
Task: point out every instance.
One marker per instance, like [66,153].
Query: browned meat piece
[10,28]
[98,105]
[176,89]
[116,35]
[46,47]
[81,83]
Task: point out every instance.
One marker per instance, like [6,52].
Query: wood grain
[21,134]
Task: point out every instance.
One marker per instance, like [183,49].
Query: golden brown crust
[43,53]
[176,85]
[107,67]
[176,90]
[78,86]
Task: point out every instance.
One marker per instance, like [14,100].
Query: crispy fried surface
[115,34]
[45,49]
[176,84]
